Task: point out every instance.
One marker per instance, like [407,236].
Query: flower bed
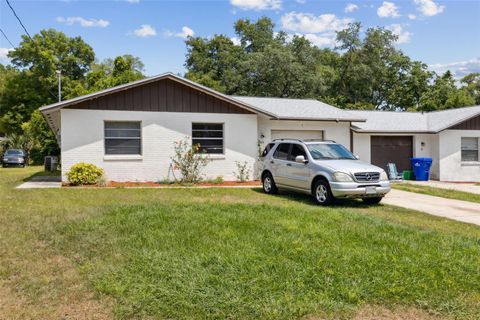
[151,184]
[127,184]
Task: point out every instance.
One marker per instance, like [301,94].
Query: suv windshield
[330,151]
[13,152]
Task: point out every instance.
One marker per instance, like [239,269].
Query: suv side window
[281,152]
[297,150]
[267,149]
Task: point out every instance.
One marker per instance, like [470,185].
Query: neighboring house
[130,130]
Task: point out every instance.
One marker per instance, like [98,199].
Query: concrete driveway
[465,187]
[448,208]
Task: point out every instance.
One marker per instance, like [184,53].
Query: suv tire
[322,193]
[374,200]
[268,184]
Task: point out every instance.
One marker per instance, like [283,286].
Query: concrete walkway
[465,187]
[41,182]
[448,208]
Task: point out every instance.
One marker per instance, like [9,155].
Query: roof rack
[305,140]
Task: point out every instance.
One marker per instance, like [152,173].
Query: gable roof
[300,109]
[168,75]
[400,122]
[275,108]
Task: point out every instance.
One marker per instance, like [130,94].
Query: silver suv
[324,169]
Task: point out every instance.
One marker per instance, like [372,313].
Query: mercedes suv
[324,169]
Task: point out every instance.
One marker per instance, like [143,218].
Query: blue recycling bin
[421,168]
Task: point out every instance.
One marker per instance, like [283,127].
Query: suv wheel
[322,193]
[374,200]
[268,184]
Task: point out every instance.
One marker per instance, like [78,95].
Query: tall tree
[35,83]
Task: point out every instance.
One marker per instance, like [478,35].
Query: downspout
[351,138]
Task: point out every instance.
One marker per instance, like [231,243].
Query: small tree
[188,160]
[243,173]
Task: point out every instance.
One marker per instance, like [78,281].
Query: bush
[188,160]
[243,173]
[217,180]
[84,173]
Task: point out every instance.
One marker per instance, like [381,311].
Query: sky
[443,34]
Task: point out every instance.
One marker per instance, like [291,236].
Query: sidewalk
[464,211]
[42,182]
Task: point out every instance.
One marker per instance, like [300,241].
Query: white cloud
[403,35]
[309,23]
[301,1]
[84,22]
[459,68]
[388,10]
[428,7]
[351,7]
[235,40]
[144,31]
[3,54]
[257,5]
[185,33]
[132,1]
[411,16]
[321,40]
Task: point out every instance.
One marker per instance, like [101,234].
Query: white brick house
[129,130]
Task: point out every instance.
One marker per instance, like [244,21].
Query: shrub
[188,160]
[217,180]
[243,173]
[84,173]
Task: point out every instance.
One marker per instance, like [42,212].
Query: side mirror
[300,159]
[356,156]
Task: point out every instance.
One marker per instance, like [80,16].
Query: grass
[438,192]
[226,253]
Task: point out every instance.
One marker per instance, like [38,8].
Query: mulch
[151,184]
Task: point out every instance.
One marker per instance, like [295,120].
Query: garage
[297,134]
[392,149]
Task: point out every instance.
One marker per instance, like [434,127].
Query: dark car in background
[14,157]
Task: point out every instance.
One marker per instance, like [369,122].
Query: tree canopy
[364,71]
[31,82]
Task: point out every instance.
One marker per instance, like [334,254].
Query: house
[129,130]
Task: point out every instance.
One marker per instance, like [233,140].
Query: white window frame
[113,138]
[210,138]
[478,150]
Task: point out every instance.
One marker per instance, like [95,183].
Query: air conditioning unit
[51,163]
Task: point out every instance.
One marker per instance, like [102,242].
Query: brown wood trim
[470,124]
[164,95]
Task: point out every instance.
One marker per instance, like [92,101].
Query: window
[209,136]
[123,138]
[267,149]
[329,151]
[297,150]
[282,151]
[469,149]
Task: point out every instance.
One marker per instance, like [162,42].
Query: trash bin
[421,168]
[407,175]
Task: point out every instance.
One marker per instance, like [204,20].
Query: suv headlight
[383,176]
[342,177]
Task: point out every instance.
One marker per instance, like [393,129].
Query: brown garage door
[385,149]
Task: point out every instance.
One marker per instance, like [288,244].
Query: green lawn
[226,253]
[439,192]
